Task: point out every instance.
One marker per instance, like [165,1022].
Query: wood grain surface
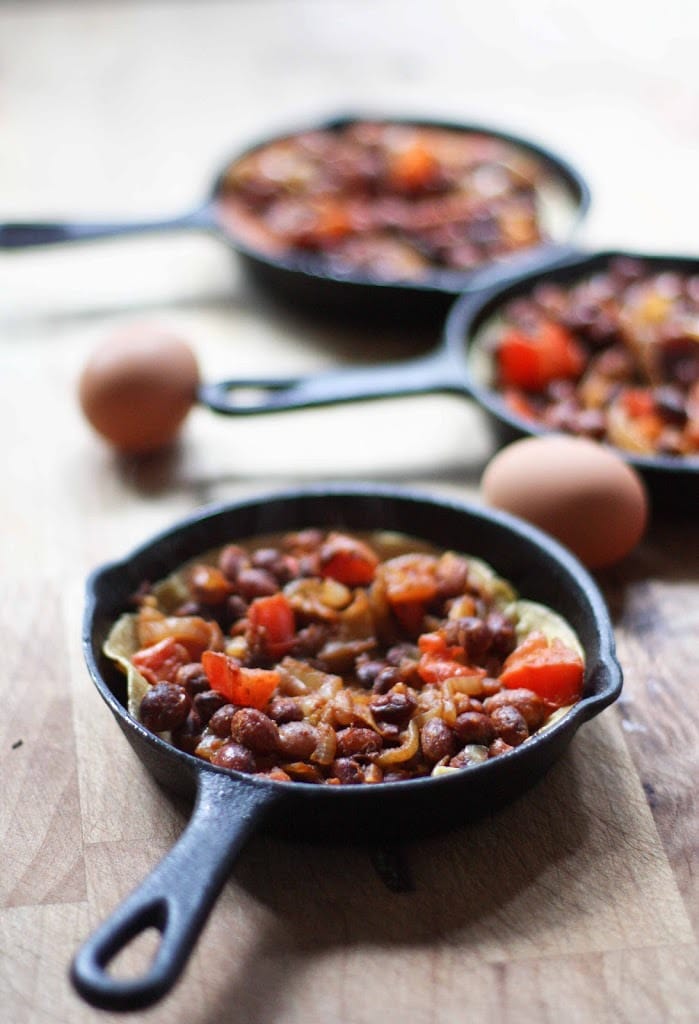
[580,901]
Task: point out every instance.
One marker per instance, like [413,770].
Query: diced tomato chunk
[533,360]
[411,578]
[414,167]
[348,560]
[245,687]
[275,616]
[546,667]
[638,401]
[160,661]
[440,661]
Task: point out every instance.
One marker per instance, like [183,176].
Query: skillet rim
[546,547]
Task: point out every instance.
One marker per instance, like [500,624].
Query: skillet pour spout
[229,806]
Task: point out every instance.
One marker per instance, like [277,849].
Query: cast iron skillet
[304,278]
[674,482]
[178,895]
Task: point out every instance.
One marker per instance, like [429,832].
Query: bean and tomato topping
[613,357]
[362,659]
[391,200]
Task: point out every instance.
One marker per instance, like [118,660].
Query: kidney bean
[220,721]
[471,633]
[504,638]
[235,756]
[284,709]
[367,669]
[510,725]
[192,677]
[385,679]
[232,559]
[187,735]
[252,583]
[309,640]
[530,705]
[437,739]
[236,608]
[348,771]
[395,707]
[164,707]
[255,730]
[282,567]
[356,741]
[207,704]
[474,727]
[297,740]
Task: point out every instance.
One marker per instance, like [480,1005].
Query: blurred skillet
[452,368]
[307,279]
[177,897]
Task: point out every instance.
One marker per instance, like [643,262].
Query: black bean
[255,730]
[348,771]
[510,725]
[297,740]
[394,707]
[252,583]
[207,704]
[164,707]
[220,721]
[284,709]
[474,727]
[235,756]
[356,741]
[192,677]
[437,740]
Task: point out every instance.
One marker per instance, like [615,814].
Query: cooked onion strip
[408,748]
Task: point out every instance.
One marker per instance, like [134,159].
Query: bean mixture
[326,658]
[613,357]
[391,200]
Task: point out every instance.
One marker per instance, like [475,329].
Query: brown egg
[580,492]
[138,387]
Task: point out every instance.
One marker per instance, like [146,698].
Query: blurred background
[128,109]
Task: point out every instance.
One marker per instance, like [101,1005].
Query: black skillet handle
[437,371]
[175,898]
[25,235]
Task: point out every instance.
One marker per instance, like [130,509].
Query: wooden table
[580,901]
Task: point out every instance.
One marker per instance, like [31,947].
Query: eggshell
[580,492]
[137,388]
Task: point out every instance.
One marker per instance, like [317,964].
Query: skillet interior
[673,482]
[538,567]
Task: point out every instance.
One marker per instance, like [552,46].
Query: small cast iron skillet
[303,278]
[178,895]
[449,368]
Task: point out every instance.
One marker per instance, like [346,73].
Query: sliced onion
[408,748]
[326,746]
